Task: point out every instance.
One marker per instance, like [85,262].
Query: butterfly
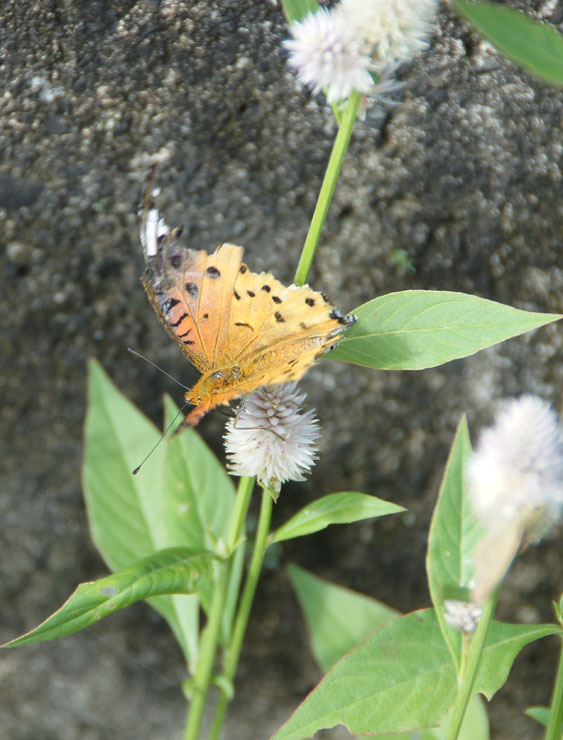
[242,330]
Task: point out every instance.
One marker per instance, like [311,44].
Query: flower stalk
[210,638]
[211,634]
[471,659]
[233,650]
[555,724]
[327,188]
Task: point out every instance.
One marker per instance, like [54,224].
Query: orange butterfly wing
[240,329]
[274,335]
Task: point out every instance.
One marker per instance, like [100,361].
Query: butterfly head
[214,383]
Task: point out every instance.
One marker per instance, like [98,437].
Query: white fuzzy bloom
[392,30]
[338,50]
[518,465]
[515,481]
[462,615]
[327,54]
[270,438]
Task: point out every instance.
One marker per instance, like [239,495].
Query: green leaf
[416,329]
[296,10]
[540,714]
[406,666]
[198,495]
[337,618]
[454,533]
[199,504]
[131,517]
[336,508]
[124,511]
[538,47]
[475,726]
[174,570]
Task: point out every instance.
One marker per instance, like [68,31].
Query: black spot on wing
[276,299]
[185,334]
[242,269]
[176,260]
[310,301]
[237,296]
[279,317]
[266,288]
[213,272]
[192,289]
[176,323]
[242,323]
[205,316]
[169,304]
[251,293]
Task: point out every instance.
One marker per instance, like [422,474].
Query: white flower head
[326,53]
[392,30]
[270,438]
[337,50]
[515,481]
[462,615]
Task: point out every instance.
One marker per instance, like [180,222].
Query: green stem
[555,723]
[233,651]
[327,188]
[470,667]
[210,637]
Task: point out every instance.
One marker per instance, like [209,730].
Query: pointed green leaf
[454,533]
[296,10]
[475,726]
[336,508]
[538,47]
[402,677]
[416,329]
[337,618]
[504,642]
[540,714]
[131,517]
[124,511]
[198,494]
[174,570]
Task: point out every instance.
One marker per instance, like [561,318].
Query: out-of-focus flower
[462,615]
[358,41]
[270,438]
[326,53]
[516,486]
[392,30]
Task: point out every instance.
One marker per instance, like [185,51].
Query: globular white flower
[271,438]
[338,50]
[326,53]
[462,615]
[392,30]
[515,481]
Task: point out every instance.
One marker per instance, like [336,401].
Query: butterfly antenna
[164,433]
[146,359]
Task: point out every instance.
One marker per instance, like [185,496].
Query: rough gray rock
[457,187]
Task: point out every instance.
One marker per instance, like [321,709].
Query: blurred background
[456,187]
